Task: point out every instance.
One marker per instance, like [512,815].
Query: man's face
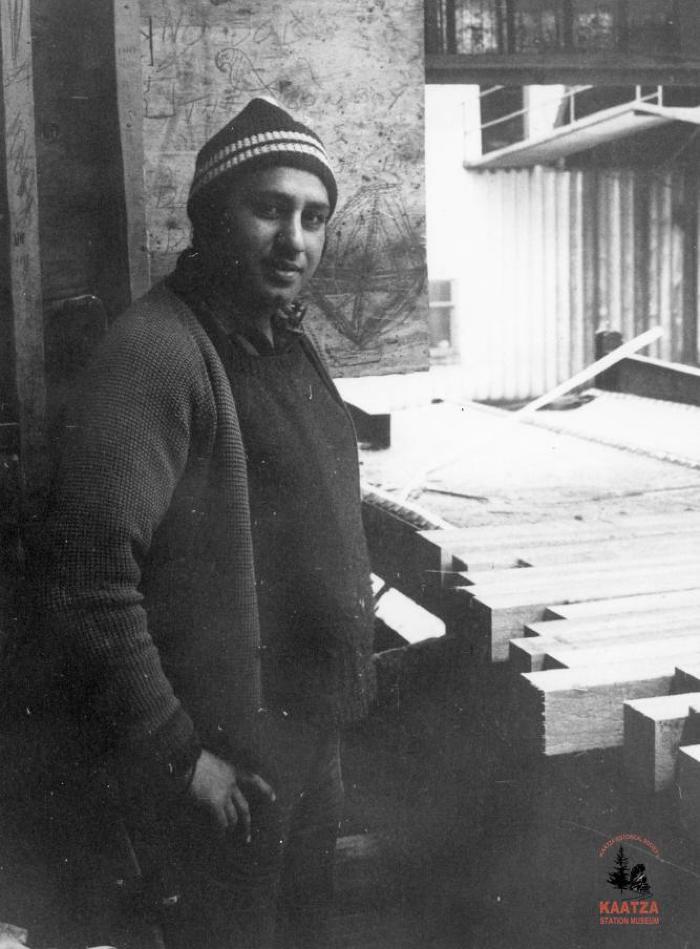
[274,225]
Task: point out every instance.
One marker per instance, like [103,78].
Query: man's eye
[268,209]
[313,220]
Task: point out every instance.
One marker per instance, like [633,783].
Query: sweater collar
[191,282]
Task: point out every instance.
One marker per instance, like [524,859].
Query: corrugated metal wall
[555,255]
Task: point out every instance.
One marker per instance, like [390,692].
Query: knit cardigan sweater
[149,604]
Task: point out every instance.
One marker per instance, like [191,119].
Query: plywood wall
[355,72]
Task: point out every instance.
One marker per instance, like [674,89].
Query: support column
[23,305]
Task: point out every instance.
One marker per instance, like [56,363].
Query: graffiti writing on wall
[374,268]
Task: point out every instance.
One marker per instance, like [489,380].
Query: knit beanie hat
[261,136]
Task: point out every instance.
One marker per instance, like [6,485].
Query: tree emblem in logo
[635,880]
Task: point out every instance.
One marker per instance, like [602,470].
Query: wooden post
[689,791]
[564,711]
[606,341]
[24,269]
[130,115]
[654,730]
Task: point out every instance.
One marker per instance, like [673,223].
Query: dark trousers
[219,892]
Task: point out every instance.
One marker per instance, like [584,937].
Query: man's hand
[216,785]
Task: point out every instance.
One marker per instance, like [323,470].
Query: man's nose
[291,234]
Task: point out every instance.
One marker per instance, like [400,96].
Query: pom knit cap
[261,136]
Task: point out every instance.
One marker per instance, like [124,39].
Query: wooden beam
[371,424]
[589,372]
[654,729]
[570,710]
[505,541]
[19,156]
[410,622]
[680,648]
[656,379]
[625,605]
[609,549]
[129,85]
[496,616]
[535,577]
[581,629]
[398,555]
[568,68]
[527,654]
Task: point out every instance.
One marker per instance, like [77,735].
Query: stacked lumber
[598,621]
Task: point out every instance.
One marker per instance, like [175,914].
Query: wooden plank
[656,379]
[396,553]
[536,577]
[589,372]
[371,425]
[82,221]
[654,729]
[617,624]
[570,710]
[570,656]
[129,86]
[411,622]
[610,549]
[19,156]
[527,654]
[459,541]
[496,617]
[619,606]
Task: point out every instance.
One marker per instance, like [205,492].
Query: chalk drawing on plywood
[374,267]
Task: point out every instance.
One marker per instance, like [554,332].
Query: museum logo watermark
[633,903]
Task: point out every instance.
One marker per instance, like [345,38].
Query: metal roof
[608,125]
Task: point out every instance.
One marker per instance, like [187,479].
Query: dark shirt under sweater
[311,561]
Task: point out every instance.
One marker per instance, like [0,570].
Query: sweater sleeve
[140,406]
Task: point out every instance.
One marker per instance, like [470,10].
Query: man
[207,614]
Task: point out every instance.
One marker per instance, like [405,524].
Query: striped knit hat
[261,136]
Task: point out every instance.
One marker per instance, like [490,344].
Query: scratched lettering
[16,14]
[21,170]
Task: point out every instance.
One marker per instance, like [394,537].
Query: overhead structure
[608,125]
